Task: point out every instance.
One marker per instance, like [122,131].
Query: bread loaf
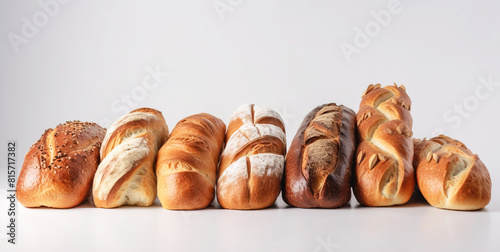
[321,158]
[450,176]
[384,173]
[187,163]
[126,174]
[59,168]
[252,162]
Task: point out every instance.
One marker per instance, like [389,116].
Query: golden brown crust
[187,163]
[126,174]
[251,166]
[450,176]
[384,174]
[59,168]
[321,158]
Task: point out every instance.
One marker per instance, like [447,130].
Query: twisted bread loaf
[384,171]
[450,176]
[321,158]
[126,173]
[252,162]
[187,163]
[59,168]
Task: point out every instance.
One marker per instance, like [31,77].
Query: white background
[84,59]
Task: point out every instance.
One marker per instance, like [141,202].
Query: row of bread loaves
[247,166]
[133,162]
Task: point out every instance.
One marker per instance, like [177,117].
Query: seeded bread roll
[187,163]
[321,158]
[384,173]
[450,176]
[59,168]
[126,174]
[252,162]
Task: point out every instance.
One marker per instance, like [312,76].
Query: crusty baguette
[384,174]
[450,176]
[251,166]
[59,168]
[126,174]
[187,163]
[321,158]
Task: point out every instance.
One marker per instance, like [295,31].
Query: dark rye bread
[321,158]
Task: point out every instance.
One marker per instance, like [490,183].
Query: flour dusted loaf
[126,174]
[384,174]
[252,162]
[59,168]
[187,163]
[450,176]
[321,158]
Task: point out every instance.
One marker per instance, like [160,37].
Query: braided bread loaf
[321,159]
[384,171]
[126,174]
[450,176]
[251,165]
